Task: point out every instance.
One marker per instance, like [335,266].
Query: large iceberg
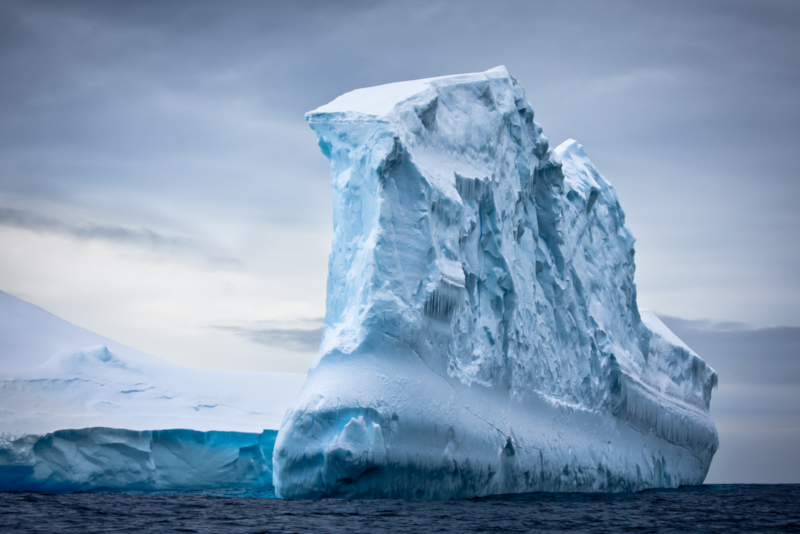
[109,416]
[482,333]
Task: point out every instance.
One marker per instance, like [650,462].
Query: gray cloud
[90,230]
[87,230]
[272,335]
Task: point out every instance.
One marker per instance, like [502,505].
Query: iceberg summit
[482,334]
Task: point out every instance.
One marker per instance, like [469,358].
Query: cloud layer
[145,238]
[274,334]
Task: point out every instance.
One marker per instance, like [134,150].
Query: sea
[710,508]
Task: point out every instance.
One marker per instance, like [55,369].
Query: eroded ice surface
[482,333]
[110,416]
[115,458]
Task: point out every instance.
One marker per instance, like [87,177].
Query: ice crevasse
[482,334]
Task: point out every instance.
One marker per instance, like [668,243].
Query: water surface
[735,508]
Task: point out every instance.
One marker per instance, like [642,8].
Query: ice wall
[112,458]
[482,333]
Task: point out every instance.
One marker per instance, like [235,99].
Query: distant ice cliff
[108,416]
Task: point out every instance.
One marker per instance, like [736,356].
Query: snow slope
[108,415]
[29,335]
[482,333]
[94,387]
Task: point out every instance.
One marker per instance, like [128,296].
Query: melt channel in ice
[482,334]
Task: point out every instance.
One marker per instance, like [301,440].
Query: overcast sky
[159,186]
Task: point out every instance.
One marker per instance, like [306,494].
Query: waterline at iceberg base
[482,333]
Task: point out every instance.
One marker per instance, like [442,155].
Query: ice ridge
[482,333]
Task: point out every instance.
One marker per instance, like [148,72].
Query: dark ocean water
[737,508]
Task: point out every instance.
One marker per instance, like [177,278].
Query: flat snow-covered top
[377,100]
[657,327]
[381,99]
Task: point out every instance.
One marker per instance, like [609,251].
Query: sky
[159,186]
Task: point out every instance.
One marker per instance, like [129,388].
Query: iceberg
[482,334]
[109,416]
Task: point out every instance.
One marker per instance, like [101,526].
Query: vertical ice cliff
[482,333]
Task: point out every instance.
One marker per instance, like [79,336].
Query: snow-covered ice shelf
[110,416]
[94,387]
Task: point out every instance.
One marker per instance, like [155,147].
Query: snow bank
[482,333]
[94,387]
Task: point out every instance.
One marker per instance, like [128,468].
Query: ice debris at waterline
[482,334]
